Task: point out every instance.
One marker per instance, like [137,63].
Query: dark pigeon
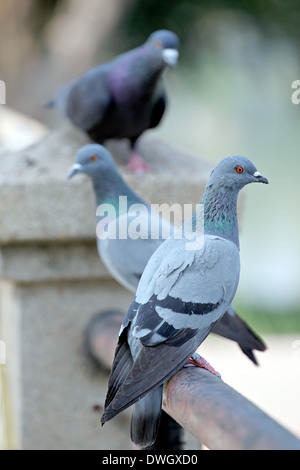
[124,97]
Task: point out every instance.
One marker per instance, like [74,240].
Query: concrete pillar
[52,283]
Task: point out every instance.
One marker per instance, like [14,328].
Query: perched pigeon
[126,258]
[182,294]
[124,97]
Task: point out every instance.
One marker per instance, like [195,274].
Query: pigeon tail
[170,435]
[236,329]
[146,418]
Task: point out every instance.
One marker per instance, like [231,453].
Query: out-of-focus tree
[45,43]
[184,16]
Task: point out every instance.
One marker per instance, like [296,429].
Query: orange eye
[239,169]
[93,158]
[158,44]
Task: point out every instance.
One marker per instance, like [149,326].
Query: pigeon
[127,258]
[124,97]
[182,294]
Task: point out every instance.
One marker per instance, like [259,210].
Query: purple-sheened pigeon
[124,97]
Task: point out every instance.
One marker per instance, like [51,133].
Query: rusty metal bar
[216,414]
[220,417]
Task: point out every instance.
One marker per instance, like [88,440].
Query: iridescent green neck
[220,213]
[107,191]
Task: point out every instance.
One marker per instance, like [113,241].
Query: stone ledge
[52,262]
[39,204]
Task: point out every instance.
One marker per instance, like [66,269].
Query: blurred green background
[230,94]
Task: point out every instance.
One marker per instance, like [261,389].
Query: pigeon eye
[239,169]
[93,158]
[158,44]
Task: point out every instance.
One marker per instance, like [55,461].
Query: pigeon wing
[170,325]
[86,100]
[126,257]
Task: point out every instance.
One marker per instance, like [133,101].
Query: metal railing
[216,414]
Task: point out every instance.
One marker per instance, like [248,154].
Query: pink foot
[135,447]
[199,361]
[137,164]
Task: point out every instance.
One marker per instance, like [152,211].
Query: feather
[145,418]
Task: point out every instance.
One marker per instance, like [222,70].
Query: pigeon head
[234,173]
[228,177]
[92,159]
[164,43]
[96,161]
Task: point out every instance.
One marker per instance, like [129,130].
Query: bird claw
[137,165]
[198,361]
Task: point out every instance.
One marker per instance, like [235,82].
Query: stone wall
[52,283]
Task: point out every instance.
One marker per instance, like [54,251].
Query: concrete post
[52,283]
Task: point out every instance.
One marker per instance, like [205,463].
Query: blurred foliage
[184,17]
[181,13]
[266,322]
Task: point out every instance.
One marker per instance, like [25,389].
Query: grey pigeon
[126,259]
[124,97]
[182,294]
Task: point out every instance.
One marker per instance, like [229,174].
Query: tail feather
[170,435]
[234,328]
[249,353]
[145,418]
[121,369]
[122,365]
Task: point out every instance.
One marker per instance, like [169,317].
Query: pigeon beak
[74,170]
[170,56]
[260,178]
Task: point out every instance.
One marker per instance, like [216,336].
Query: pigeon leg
[198,361]
[137,165]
